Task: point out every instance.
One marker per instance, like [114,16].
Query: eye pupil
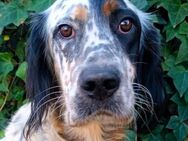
[125,25]
[66,30]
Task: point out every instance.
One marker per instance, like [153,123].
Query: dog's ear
[40,75]
[150,74]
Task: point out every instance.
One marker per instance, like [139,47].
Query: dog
[93,67]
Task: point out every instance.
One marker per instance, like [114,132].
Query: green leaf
[12,13]
[17,93]
[38,5]
[183,111]
[170,137]
[140,5]
[183,28]
[169,63]
[20,50]
[186,96]
[176,99]
[4,86]
[181,132]
[183,51]
[21,72]
[180,79]
[6,64]
[173,122]
[176,11]
[171,32]
[2,134]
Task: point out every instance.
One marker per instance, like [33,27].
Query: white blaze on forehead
[94,33]
[59,10]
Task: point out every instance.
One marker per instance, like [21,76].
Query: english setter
[93,66]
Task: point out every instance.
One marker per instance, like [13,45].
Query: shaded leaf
[183,28]
[20,51]
[12,13]
[181,132]
[4,86]
[183,51]
[21,72]
[171,32]
[173,122]
[180,79]
[176,11]
[183,111]
[140,5]
[6,64]
[38,5]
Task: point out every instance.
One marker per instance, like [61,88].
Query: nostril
[89,86]
[110,84]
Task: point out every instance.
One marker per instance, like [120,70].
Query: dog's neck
[96,130]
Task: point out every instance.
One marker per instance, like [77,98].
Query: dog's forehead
[80,10]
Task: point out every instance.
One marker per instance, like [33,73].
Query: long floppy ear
[150,75]
[40,75]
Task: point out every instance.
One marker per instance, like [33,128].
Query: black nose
[99,83]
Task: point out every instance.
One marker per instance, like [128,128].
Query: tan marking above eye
[109,7]
[80,13]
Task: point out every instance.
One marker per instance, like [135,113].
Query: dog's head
[84,58]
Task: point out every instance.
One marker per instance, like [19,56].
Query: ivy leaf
[21,72]
[170,137]
[183,51]
[183,112]
[12,13]
[186,96]
[141,5]
[181,132]
[168,63]
[4,85]
[171,32]
[38,5]
[6,64]
[173,122]
[183,28]
[6,67]
[180,79]
[176,11]
[20,51]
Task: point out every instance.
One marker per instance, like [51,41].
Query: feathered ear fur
[149,74]
[39,73]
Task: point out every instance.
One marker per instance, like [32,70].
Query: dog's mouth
[100,111]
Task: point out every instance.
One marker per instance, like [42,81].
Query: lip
[103,117]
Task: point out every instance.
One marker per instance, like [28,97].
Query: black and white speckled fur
[55,64]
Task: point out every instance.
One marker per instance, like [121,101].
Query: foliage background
[169,16]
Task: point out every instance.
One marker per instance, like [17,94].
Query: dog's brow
[109,6]
[80,12]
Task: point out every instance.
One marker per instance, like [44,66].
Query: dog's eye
[125,25]
[67,31]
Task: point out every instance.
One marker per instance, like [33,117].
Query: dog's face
[93,44]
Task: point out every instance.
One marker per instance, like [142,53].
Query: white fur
[14,132]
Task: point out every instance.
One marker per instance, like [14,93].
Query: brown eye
[67,31]
[125,25]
